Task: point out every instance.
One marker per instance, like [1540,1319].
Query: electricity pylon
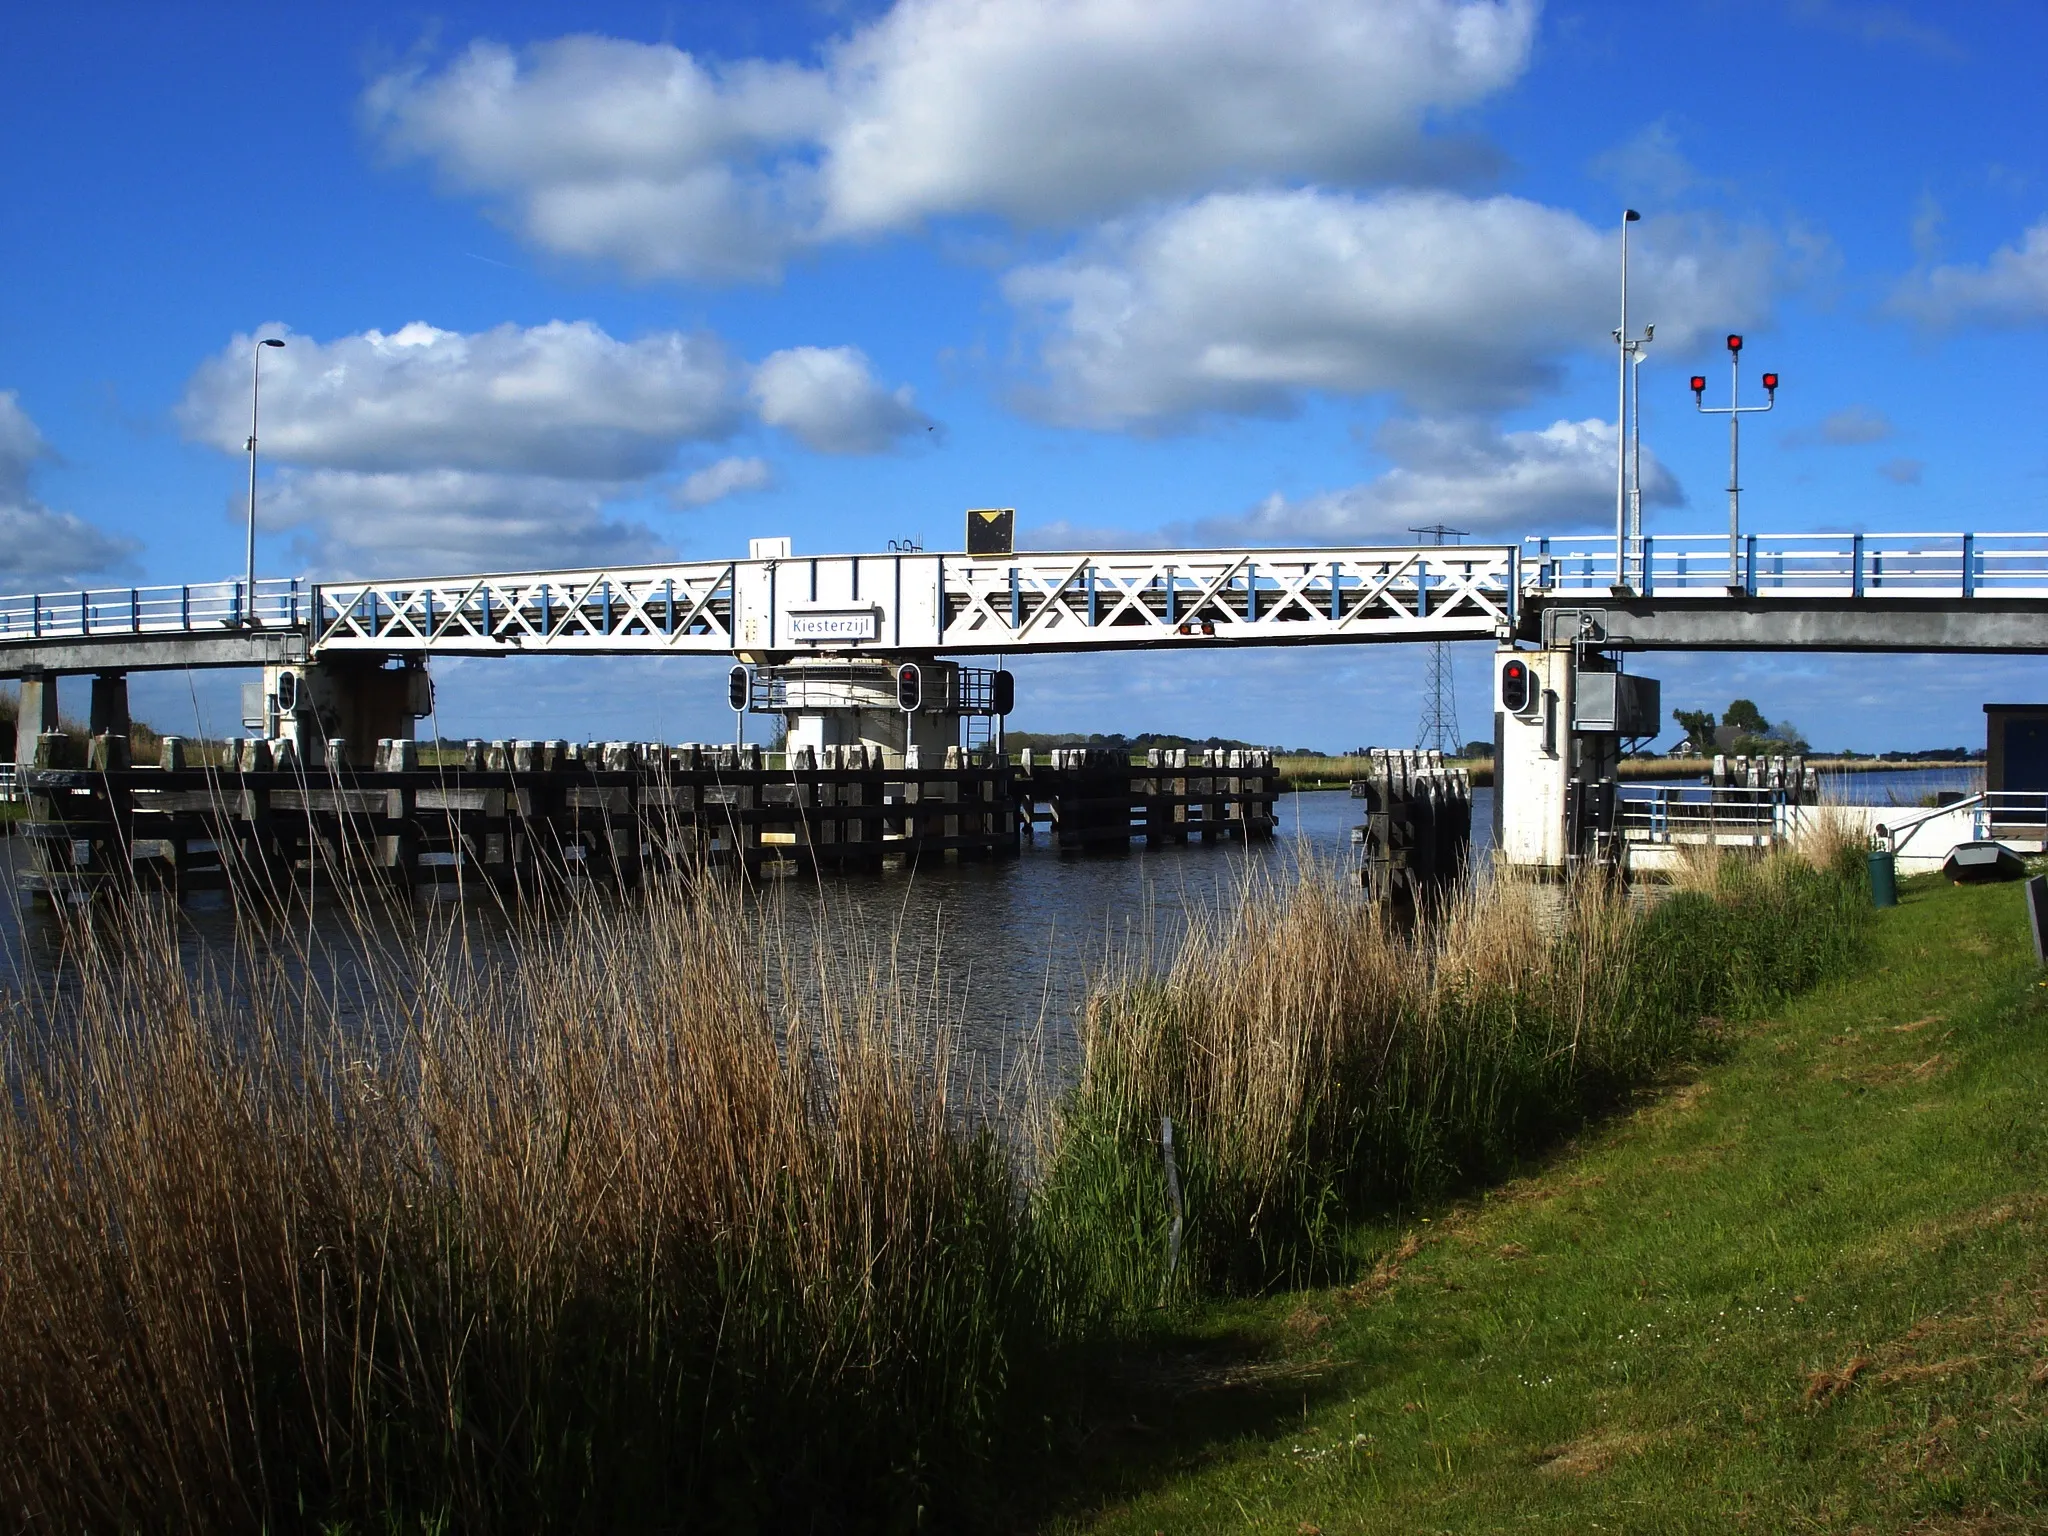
[1438,726]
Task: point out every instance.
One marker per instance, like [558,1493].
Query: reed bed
[588,1237]
[1321,1068]
[652,1218]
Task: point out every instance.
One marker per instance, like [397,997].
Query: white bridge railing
[916,601]
[153,610]
[934,602]
[1663,813]
[1852,565]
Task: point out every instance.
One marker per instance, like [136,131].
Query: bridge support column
[38,714]
[843,703]
[357,699]
[1558,731]
[109,714]
[108,721]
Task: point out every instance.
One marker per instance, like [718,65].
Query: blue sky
[608,282]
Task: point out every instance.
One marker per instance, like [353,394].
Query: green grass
[1803,1288]
[657,1222]
[1322,1069]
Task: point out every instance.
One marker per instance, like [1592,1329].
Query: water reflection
[1007,947]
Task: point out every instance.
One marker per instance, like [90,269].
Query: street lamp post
[1631,354]
[1734,410]
[1635,452]
[255,382]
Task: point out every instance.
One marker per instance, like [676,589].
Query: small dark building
[2016,747]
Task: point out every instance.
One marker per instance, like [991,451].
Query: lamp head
[1629,216]
[270,341]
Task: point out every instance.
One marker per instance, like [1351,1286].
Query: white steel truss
[919,602]
[669,608]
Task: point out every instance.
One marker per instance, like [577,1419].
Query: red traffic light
[909,687]
[1699,383]
[1734,343]
[1770,381]
[1514,687]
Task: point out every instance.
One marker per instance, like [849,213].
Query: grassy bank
[1803,1287]
[654,1222]
[1320,1068]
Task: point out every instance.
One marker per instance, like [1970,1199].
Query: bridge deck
[1956,592]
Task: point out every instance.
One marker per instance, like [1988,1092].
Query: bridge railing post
[1749,566]
[1856,565]
[1969,565]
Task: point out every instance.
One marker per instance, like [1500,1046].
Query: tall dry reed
[650,1217]
[584,1232]
[1320,1066]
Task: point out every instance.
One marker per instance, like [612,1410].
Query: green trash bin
[1884,878]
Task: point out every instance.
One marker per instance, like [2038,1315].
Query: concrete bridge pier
[356,698]
[108,721]
[38,713]
[889,707]
[1562,717]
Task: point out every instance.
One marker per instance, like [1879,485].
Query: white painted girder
[920,603]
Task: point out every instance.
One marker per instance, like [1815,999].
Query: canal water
[1907,786]
[1007,947]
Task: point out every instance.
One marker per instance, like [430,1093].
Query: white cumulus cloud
[2010,289]
[727,477]
[562,399]
[638,153]
[1240,302]
[831,401]
[1461,472]
[427,449]
[423,522]
[1048,110]
[41,547]
[1035,110]
[512,447]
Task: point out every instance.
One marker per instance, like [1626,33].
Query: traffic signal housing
[738,686]
[1519,694]
[909,687]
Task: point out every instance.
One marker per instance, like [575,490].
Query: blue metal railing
[208,606]
[1931,566]
[1870,565]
